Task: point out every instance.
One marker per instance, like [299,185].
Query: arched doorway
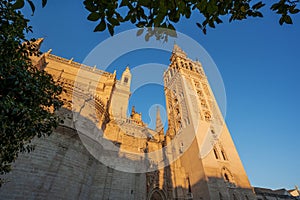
[157,194]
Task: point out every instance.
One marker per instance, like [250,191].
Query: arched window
[182,65]
[216,153]
[224,155]
[171,72]
[187,121]
[181,147]
[157,194]
[226,177]
[179,124]
[207,116]
[191,66]
[175,99]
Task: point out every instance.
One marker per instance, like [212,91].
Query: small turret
[120,95]
[126,77]
[178,51]
[159,126]
[38,43]
[136,117]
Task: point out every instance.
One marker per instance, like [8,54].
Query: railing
[80,65]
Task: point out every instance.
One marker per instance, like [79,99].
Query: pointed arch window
[191,66]
[126,80]
[226,177]
[182,65]
[224,154]
[171,72]
[216,153]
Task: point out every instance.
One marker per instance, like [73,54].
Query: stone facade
[197,159]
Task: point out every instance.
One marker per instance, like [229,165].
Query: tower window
[125,80]
[226,177]
[171,72]
[224,155]
[181,147]
[207,116]
[187,121]
[191,66]
[216,154]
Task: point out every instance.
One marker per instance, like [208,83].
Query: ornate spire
[159,125]
[38,43]
[132,111]
[178,51]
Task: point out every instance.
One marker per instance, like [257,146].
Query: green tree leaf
[110,29]
[19,4]
[113,21]
[281,20]
[94,16]
[145,13]
[258,5]
[44,2]
[288,19]
[101,26]
[27,93]
[31,6]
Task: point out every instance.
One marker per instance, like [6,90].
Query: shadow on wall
[62,168]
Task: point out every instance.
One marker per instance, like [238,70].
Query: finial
[70,61]
[39,41]
[132,110]
[48,52]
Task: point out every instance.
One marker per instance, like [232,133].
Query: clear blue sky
[259,63]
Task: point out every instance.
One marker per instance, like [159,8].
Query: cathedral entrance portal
[157,194]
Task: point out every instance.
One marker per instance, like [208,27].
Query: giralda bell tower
[209,166]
